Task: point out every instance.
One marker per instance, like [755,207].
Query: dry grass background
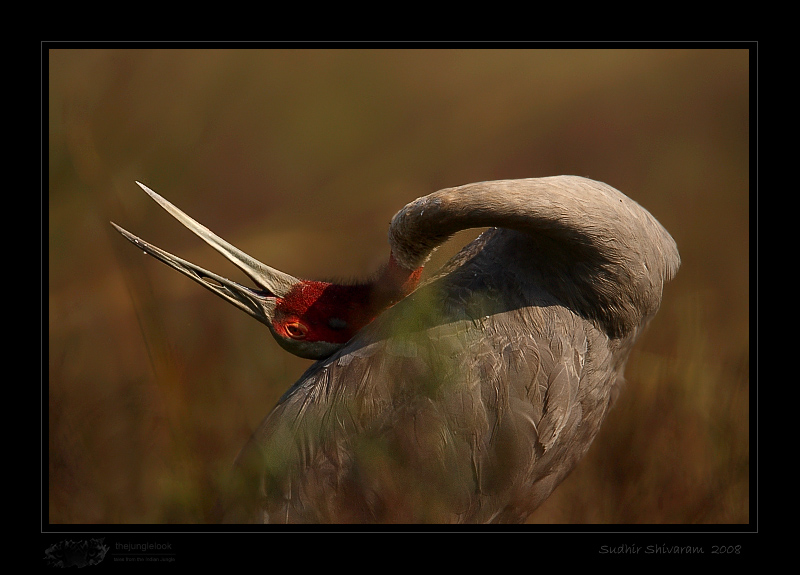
[301,157]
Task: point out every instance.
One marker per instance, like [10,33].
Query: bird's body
[472,397]
[462,404]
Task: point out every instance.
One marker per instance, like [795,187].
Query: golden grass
[301,158]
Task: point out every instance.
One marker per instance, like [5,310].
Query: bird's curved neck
[624,254]
[393,283]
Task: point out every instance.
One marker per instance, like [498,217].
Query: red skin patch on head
[321,311]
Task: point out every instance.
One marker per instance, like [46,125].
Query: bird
[466,398]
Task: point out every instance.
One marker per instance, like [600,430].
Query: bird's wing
[447,424]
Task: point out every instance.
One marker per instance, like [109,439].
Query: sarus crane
[468,398]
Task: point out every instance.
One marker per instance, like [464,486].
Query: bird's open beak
[259,303]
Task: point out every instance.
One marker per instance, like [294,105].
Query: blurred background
[300,158]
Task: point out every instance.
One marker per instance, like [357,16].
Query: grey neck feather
[613,256]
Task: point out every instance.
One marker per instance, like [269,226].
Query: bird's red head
[315,318]
[310,319]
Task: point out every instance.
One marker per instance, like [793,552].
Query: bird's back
[469,401]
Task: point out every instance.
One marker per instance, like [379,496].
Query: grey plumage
[472,398]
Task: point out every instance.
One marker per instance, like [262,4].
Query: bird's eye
[336,323]
[296,330]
